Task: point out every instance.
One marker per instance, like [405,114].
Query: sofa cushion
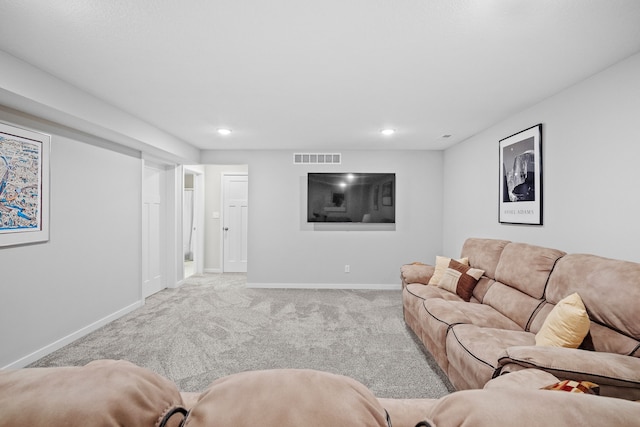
[102,393]
[484,253]
[617,375]
[286,397]
[460,279]
[533,408]
[442,263]
[608,287]
[473,352]
[461,312]
[603,338]
[566,325]
[523,379]
[511,303]
[527,267]
[427,292]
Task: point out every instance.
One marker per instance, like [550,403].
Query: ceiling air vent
[316,158]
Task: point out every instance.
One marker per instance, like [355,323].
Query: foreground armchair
[110,394]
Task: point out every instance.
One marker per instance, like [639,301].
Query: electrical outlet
[347,268]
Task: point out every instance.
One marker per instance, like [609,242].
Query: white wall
[284,250]
[26,88]
[591,152]
[89,271]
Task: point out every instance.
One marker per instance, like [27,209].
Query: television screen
[351,197]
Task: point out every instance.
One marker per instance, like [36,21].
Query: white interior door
[153,220]
[235,193]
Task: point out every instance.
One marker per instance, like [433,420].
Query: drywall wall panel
[89,270]
[284,250]
[591,147]
[26,88]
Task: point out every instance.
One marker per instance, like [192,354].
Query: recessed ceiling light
[223,131]
[388,132]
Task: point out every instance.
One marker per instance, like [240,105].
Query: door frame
[222,218]
[198,216]
[170,234]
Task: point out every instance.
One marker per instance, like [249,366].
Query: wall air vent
[317,158]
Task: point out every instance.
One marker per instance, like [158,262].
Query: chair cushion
[103,393]
[287,397]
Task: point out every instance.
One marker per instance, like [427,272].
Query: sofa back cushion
[512,303]
[527,267]
[521,273]
[483,254]
[610,290]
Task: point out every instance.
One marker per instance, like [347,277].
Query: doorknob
[226,229]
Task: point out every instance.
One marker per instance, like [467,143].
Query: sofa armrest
[416,273]
[602,368]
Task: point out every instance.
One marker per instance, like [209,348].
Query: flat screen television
[351,197]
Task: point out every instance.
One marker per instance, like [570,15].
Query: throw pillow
[460,279]
[566,325]
[575,387]
[442,263]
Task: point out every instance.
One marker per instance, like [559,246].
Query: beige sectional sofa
[494,332]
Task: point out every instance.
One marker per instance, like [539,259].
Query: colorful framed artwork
[24,186]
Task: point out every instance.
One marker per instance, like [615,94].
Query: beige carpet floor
[214,326]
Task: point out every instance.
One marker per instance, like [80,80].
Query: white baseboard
[377,286]
[212,270]
[50,348]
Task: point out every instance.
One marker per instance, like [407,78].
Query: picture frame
[24,186]
[520,189]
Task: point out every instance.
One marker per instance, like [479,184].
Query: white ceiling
[324,74]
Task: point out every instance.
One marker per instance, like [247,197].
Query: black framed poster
[521,177]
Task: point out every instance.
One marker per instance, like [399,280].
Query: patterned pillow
[442,263]
[460,279]
[575,387]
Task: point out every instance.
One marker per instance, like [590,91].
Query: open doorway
[188,224]
[203,203]
[193,220]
